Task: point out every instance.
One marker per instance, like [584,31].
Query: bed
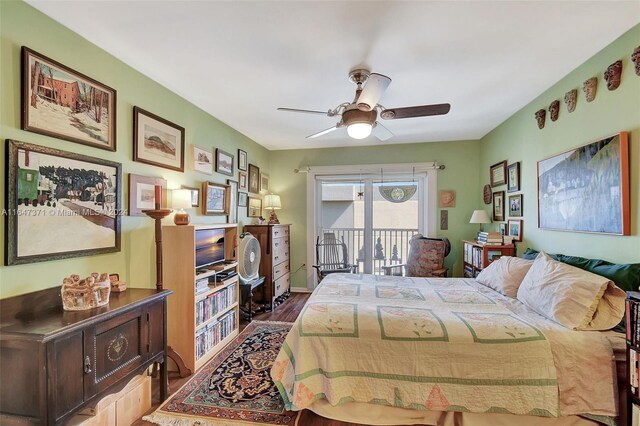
[387,350]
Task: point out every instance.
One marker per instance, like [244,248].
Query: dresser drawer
[282,284]
[279,232]
[280,250]
[280,270]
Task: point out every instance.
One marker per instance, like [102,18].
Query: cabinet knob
[87,365]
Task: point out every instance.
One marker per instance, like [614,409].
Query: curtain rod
[307,169]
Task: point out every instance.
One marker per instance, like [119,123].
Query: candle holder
[157,215]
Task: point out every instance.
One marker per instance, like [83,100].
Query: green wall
[519,139]
[460,174]
[22,25]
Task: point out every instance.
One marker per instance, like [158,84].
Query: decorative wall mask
[612,75]
[635,57]
[570,99]
[541,114]
[554,110]
[590,87]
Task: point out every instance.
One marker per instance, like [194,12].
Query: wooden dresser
[54,362]
[274,261]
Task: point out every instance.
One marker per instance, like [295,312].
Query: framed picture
[242,181]
[242,199]
[214,198]
[515,229]
[254,179]
[60,204]
[513,177]
[264,182]
[195,195]
[202,160]
[498,206]
[60,102]
[232,201]
[515,205]
[142,194]
[254,208]
[157,141]
[242,160]
[586,189]
[503,229]
[224,162]
[447,198]
[498,173]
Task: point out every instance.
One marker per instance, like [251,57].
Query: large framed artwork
[60,102]
[142,194]
[60,204]
[214,198]
[157,141]
[586,189]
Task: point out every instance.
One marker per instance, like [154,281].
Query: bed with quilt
[524,343]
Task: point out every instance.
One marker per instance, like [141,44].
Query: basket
[89,293]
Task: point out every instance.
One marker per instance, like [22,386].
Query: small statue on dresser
[91,292]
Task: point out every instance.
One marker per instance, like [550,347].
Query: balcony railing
[390,245]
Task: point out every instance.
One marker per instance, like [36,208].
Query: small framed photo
[515,205]
[202,160]
[195,195]
[254,178]
[242,160]
[498,173]
[242,181]
[503,229]
[157,141]
[214,198]
[232,201]
[242,199]
[447,198]
[515,229]
[498,206]
[513,177]
[264,182]
[224,162]
[254,208]
[142,193]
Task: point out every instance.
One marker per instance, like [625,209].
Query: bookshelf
[632,316]
[477,256]
[202,313]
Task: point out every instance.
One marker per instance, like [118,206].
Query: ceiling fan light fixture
[359,130]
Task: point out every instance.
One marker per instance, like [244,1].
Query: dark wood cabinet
[55,362]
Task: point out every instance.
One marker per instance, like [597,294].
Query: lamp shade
[181,199]
[359,130]
[272,201]
[480,216]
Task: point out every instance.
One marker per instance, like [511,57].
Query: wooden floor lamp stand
[157,215]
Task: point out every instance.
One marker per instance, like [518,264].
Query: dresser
[274,261]
[54,363]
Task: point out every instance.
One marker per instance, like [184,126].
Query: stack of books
[202,285]
[490,238]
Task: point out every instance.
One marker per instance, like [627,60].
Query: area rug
[234,388]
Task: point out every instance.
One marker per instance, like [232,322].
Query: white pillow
[570,296]
[504,275]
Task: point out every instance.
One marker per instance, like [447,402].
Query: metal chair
[426,258]
[332,256]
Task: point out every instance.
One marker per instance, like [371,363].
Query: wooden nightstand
[478,256]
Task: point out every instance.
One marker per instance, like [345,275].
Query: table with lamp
[477,255]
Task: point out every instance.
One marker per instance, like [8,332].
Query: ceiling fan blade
[324,132]
[415,111]
[372,92]
[305,111]
[381,132]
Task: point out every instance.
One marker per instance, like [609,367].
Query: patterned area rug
[234,388]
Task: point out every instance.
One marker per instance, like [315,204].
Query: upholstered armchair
[426,258]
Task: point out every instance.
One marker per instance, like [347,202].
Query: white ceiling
[240,60]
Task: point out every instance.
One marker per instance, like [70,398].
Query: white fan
[248,257]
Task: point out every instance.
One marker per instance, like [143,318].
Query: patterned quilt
[418,343]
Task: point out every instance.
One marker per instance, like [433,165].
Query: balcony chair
[332,256]
[425,259]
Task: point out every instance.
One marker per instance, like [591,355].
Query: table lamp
[180,200]
[272,201]
[480,216]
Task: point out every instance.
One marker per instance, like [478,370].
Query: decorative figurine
[612,75]
[541,115]
[570,99]
[379,251]
[589,87]
[91,292]
[635,57]
[554,110]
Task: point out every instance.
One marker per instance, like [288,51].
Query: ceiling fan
[360,116]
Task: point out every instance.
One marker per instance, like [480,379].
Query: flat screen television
[209,247]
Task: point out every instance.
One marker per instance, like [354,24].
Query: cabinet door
[65,378]
[113,349]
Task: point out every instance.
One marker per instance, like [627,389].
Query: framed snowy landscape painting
[60,102]
[157,141]
[60,204]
